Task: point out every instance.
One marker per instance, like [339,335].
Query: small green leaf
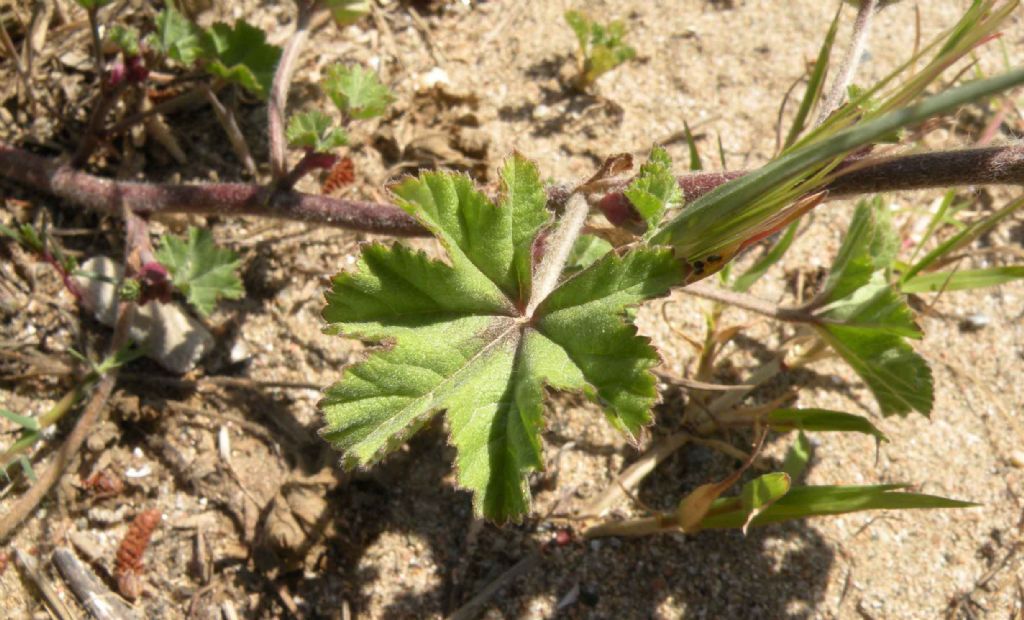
[869,245]
[90,5]
[176,37]
[202,271]
[814,501]
[586,251]
[347,12]
[601,48]
[798,456]
[314,130]
[655,190]
[899,378]
[581,27]
[961,280]
[357,92]
[26,468]
[760,493]
[877,306]
[26,422]
[822,420]
[126,38]
[241,54]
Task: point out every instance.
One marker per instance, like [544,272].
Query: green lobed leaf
[176,37]
[811,419]
[314,130]
[455,339]
[241,54]
[601,48]
[357,92]
[202,271]
[586,251]
[655,188]
[963,280]
[125,38]
[877,306]
[870,244]
[813,501]
[899,378]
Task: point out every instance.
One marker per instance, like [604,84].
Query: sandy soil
[279,526]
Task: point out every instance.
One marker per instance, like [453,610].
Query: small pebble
[974,322]
[1017,459]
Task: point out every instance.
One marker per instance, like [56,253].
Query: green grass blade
[961,280]
[935,221]
[822,420]
[695,163]
[963,238]
[815,85]
[25,422]
[709,224]
[815,501]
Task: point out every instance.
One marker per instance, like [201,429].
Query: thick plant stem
[558,248]
[226,199]
[278,102]
[1000,165]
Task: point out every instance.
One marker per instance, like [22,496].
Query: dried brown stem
[226,118]
[1001,165]
[843,79]
[751,303]
[278,102]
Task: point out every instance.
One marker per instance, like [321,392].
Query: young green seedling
[600,49]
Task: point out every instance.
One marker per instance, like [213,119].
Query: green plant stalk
[709,225]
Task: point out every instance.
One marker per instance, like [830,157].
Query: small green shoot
[347,12]
[176,37]
[126,39]
[241,54]
[357,92]
[314,130]
[601,47]
[199,269]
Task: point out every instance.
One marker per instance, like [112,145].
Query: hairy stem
[278,101]
[558,248]
[843,79]
[1002,165]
